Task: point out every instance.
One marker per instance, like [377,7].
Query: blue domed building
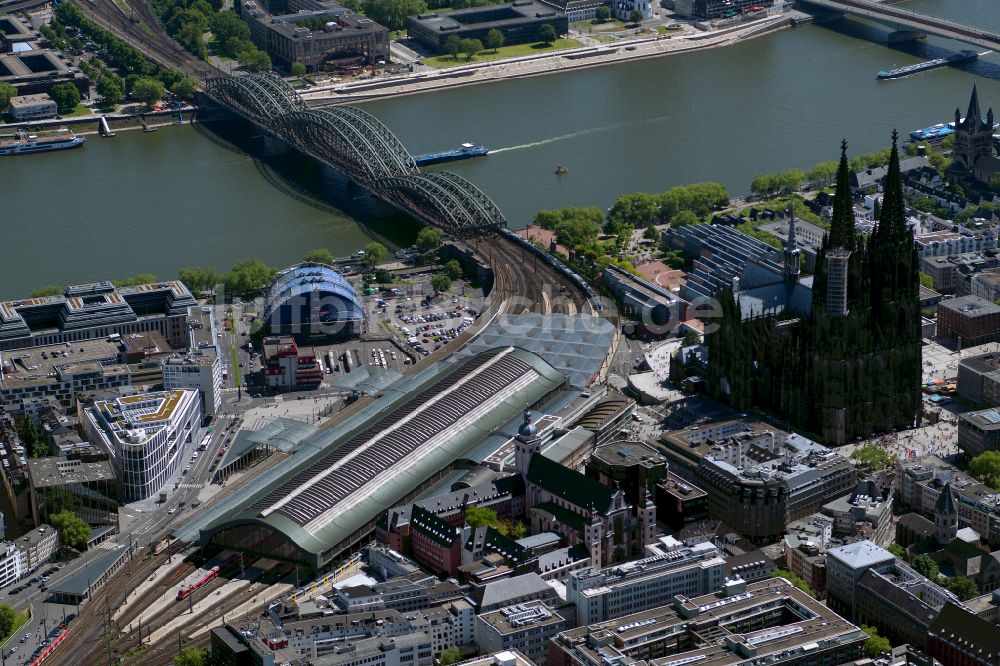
[311,300]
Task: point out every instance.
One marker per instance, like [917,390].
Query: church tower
[527,444]
[648,515]
[792,252]
[593,536]
[973,136]
[945,517]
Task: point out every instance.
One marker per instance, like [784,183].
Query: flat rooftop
[516,618]
[43,363]
[487,17]
[52,471]
[970,306]
[985,419]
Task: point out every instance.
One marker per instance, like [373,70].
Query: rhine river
[153,203]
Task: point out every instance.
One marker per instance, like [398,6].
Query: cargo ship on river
[953,59]
[464,152]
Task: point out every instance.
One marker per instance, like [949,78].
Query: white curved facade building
[146,436]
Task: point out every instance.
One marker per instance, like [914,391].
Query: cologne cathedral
[851,367]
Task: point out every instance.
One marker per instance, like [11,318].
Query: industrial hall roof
[338,480]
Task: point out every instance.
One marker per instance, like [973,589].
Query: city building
[62,371]
[13,31]
[633,466]
[97,310]
[658,310]
[766,622]
[526,627]
[758,479]
[673,568]
[953,274]
[805,547]
[970,319]
[33,107]
[146,436]
[979,379]
[313,301]
[288,367]
[319,34]
[89,489]
[11,564]
[845,367]
[957,636]
[986,285]
[718,9]
[34,71]
[973,152]
[622,9]
[37,547]
[866,513]
[518,21]
[844,567]
[514,590]
[979,432]
[679,503]
[947,243]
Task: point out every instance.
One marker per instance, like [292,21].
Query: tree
[111,88]
[897,550]
[925,566]
[199,279]
[72,529]
[298,69]
[547,34]
[191,656]
[824,172]
[691,338]
[635,17]
[320,255]
[392,13]
[962,587]
[494,40]
[231,32]
[375,253]
[135,280]
[383,276]
[453,46]
[453,269]
[254,60]
[480,516]
[876,645]
[148,91]
[795,580]
[249,275]
[429,238]
[638,209]
[185,88]
[47,290]
[440,283]
[873,457]
[651,233]
[66,97]
[471,47]
[7,93]
[684,218]
[451,656]
[926,280]
[31,439]
[602,14]
[8,618]
[986,468]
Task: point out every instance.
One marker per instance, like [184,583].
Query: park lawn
[513,51]
[80,111]
[664,30]
[593,25]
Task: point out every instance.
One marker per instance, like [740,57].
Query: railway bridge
[908,24]
[358,146]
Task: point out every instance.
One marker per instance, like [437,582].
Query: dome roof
[311,288]
[527,429]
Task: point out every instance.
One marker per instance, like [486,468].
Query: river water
[183,197]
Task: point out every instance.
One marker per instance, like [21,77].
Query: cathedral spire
[972,116]
[842,224]
[892,221]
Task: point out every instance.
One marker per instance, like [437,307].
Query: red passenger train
[186,591]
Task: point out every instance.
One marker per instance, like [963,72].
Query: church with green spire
[849,365]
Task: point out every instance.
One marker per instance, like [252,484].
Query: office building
[979,379]
[969,319]
[35,71]
[11,564]
[953,274]
[518,21]
[758,478]
[316,33]
[717,9]
[146,436]
[672,568]
[866,512]
[957,636]
[32,107]
[767,622]
[979,432]
[986,285]
[37,547]
[288,367]
[89,489]
[200,371]
[526,627]
[679,502]
[844,567]
[658,310]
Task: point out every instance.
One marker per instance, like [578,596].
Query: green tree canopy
[72,529]
[47,290]
[383,276]
[453,46]
[602,13]
[66,96]
[824,172]
[33,441]
[199,278]
[897,550]
[684,218]
[8,618]
[111,88]
[795,580]
[573,226]
[651,233]
[231,33]
[249,275]
[451,656]
[494,40]
[440,283]
[191,656]
[635,17]
[429,238]
[392,13]
[254,60]
[691,338]
[480,516]
[873,457]
[7,93]
[298,69]
[876,645]
[375,253]
[185,88]
[962,587]
[471,47]
[320,255]
[149,91]
[638,209]
[925,566]
[986,468]
[141,278]
[547,34]
[926,280]
[453,269]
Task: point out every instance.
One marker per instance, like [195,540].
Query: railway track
[526,283]
[153,41]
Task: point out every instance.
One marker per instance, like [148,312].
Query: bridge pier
[357,198]
[901,36]
[273,146]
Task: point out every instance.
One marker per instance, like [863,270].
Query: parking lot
[427,322]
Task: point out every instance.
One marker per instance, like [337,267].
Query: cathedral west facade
[851,367]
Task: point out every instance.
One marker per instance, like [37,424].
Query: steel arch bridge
[359,146]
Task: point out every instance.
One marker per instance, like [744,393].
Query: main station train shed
[324,499]
[313,300]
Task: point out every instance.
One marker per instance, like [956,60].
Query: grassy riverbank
[512,51]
